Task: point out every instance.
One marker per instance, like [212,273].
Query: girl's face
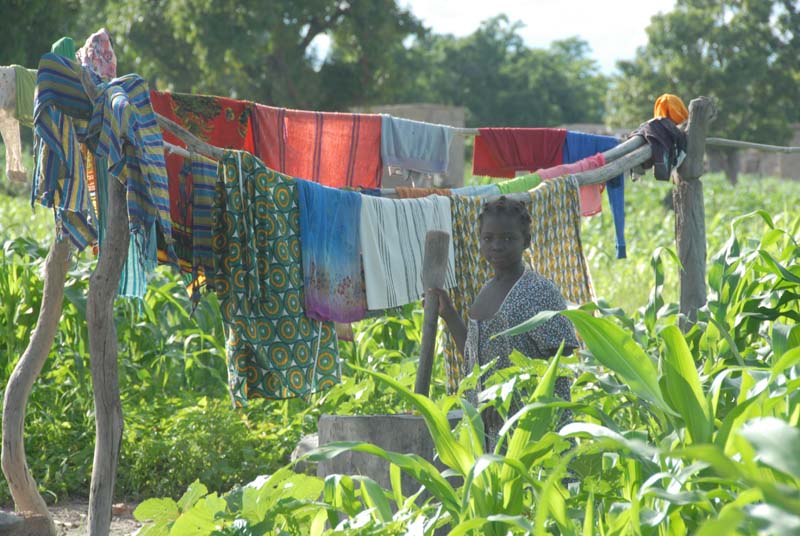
[502,241]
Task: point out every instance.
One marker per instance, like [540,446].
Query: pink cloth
[591,198]
[501,152]
[334,149]
[98,55]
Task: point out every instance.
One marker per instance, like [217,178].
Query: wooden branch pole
[434,266]
[192,142]
[103,287]
[15,466]
[690,225]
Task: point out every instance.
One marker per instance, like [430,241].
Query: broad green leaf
[200,518]
[725,524]
[450,451]
[777,444]
[787,360]
[777,268]
[534,321]
[157,510]
[784,338]
[416,466]
[616,349]
[683,383]
[195,491]
[588,517]
[375,498]
[602,433]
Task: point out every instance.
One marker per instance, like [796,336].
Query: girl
[512,296]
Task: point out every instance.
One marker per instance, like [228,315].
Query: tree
[502,82]
[260,51]
[743,53]
[28,28]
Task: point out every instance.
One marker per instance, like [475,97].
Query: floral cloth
[98,55]
[274,350]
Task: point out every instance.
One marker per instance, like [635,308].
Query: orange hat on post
[668,105]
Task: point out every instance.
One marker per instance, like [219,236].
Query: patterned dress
[274,350]
[531,294]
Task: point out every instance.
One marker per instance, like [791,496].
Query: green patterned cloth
[274,351]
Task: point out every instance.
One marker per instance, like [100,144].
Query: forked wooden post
[103,286]
[690,224]
[434,267]
[15,466]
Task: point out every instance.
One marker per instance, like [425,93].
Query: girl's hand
[445,303]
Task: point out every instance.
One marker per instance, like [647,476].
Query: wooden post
[434,267]
[690,225]
[15,467]
[103,288]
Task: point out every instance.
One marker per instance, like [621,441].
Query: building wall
[430,113]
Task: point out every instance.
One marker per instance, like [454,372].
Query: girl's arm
[451,317]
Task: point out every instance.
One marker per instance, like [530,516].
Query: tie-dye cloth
[274,350]
[97,55]
[332,278]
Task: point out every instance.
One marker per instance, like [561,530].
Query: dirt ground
[71,519]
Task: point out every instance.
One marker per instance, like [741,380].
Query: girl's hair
[514,209]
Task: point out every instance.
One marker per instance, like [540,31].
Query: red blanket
[501,152]
[334,149]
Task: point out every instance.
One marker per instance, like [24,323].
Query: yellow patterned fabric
[556,253]
[556,247]
[472,271]
[274,351]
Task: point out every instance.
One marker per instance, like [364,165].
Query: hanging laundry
[97,55]
[9,126]
[122,129]
[668,144]
[218,121]
[393,241]
[273,349]
[580,145]
[471,272]
[591,200]
[415,145]
[480,189]
[334,149]
[556,248]
[501,152]
[59,175]
[671,106]
[64,47]
[522,183]
[405,192]
[25,87]
[329,239]
[191,195]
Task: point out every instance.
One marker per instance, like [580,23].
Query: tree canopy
[743,53]
[378,53]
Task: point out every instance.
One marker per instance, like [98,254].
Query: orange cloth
[333,149]
[405,192]
[671,106]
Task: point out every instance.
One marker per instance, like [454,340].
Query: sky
[613,28]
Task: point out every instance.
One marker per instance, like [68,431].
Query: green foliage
[695,460]
[672,434]
[503,82]
[743,54]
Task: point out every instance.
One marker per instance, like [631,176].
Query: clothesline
[722,142]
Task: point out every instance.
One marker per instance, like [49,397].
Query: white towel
[393,241]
